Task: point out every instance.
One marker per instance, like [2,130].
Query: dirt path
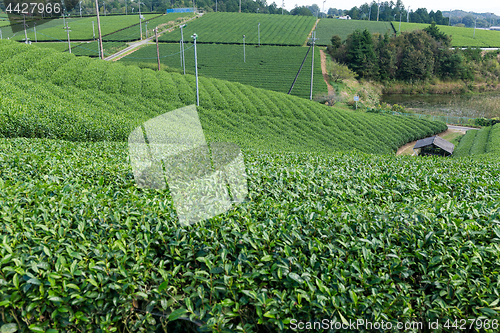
[408,147]
[137,45]
[325,73]
[310,33]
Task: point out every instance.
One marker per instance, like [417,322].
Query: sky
[480,6]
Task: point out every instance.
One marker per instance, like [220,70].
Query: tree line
[390,11]
[411,56]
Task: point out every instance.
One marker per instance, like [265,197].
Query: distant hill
[484,20]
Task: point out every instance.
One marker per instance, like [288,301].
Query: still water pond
[467,105]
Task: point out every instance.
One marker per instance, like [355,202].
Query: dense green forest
[412,56]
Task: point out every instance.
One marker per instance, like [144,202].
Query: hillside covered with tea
[334,225]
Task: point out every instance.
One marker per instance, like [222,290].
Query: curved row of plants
[82,91]
[478,142]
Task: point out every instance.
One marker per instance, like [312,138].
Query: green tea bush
[493,145]
[131,84]
[89,89]
[486,121]
[480,141]
[43,68]
[112,79]
[70,72]
[91,77]
[342,236]
[150,85]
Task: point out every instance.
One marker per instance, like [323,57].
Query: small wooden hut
[434,145]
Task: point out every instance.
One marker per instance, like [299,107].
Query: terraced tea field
[92,49]
[81,28]
[133,33]
[229,28]
[59,46]
[460,37]
[330,27]
[334,225]
[265,66]
[478,142]
[89,82]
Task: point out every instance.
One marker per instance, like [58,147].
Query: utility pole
[378,11]
[25,33]
[80,9]
[313,39]
[474,34]
[194,36]
[282,6]
[258,30]
[67,30]
[408,15]
[244,54]
[216,6]
[400,22]
[240,6]
[449,20]
[146,30]
[324,6]
[101,53]
[370,12]
[1,37]
[157,48]
[125,7]
[93,30]
[140,18]
[183,58]
[104,4]
[34,28]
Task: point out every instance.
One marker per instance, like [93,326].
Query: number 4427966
[472,324]
[33,8]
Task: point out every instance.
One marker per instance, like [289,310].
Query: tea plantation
[134,33]
[484,141]
[460,36]
[81,28]
[334,227]
[229,28]
[267,67]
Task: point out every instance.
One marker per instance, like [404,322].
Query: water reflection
[468,105]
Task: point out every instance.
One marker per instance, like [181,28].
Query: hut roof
[436,141]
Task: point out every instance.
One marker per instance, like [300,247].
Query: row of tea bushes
[121,97]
